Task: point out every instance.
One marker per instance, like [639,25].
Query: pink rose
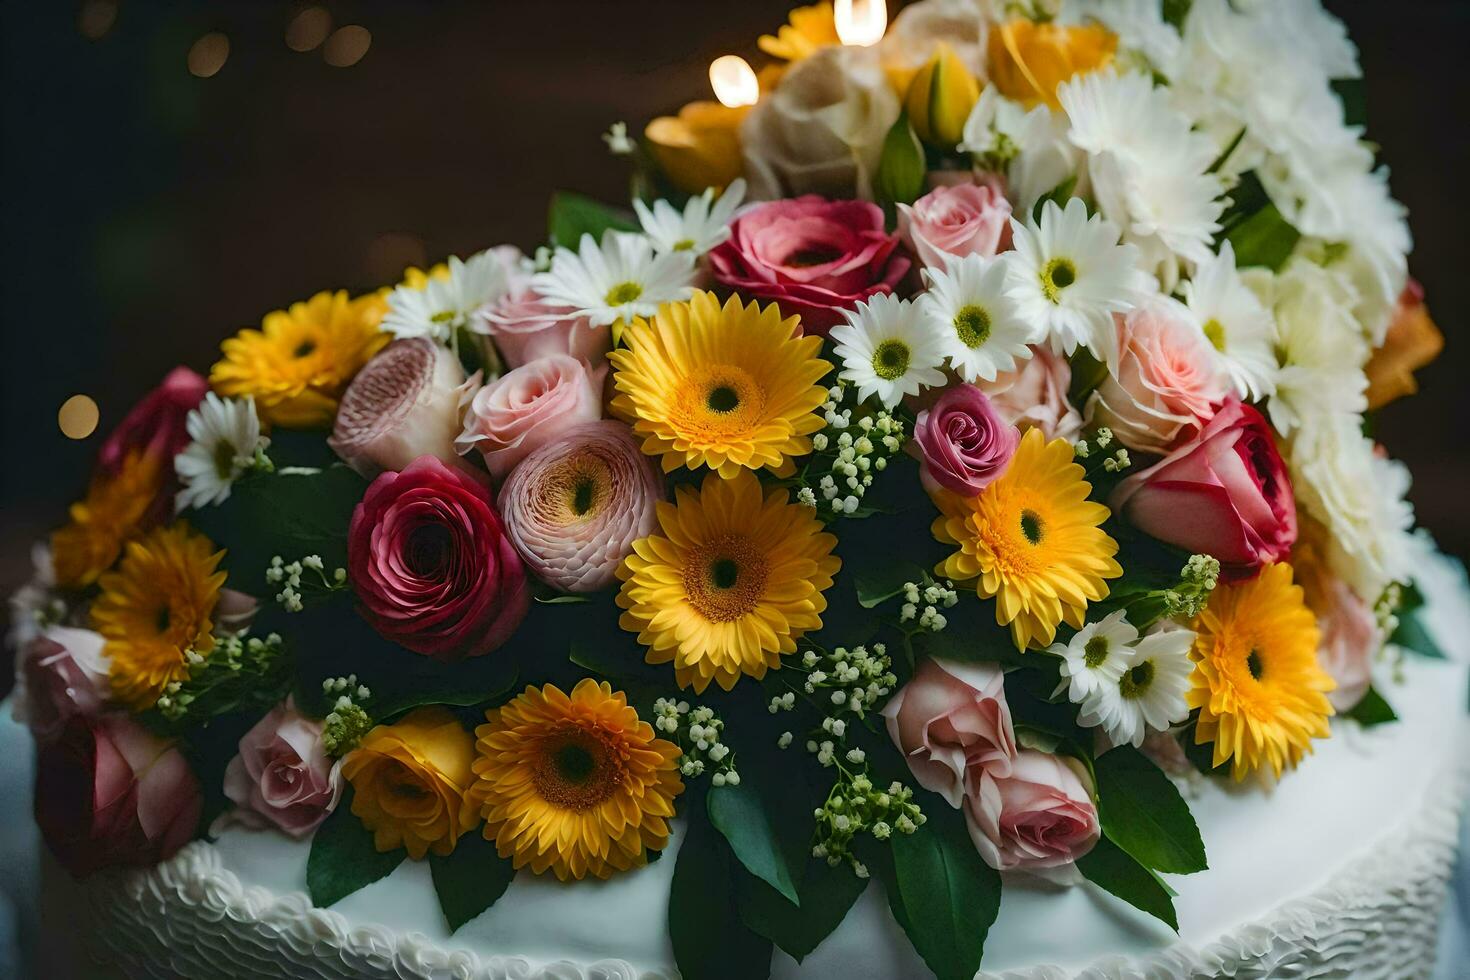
[1034,396]
[514,415]
[1225,494]
[282,775]
[814,257]
[958,220]
[431,565]
[963,443]
[1164,385]
[110,793]
[526,327]
[404,404]
[1038,816]
[948,719]
[1350,634]
[156,425]
[65,674]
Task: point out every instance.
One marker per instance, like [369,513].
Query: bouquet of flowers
[959,444]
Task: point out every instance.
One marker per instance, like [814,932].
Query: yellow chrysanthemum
[1261,694]
[725,387]
[297,365]
[1031,540]
[114,511]
[156,608]
[732,583]
[807,30]
[577,784]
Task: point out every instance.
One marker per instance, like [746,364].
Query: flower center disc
[1095,652]
[624,292]
[1254,665]
[716,402]
[1215,334]
[1136,682]
[1032,527]
[972,325]
[725,578]
[1057,276]
[891,359]
[577,769]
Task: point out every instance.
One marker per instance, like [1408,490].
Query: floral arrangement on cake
[959,446]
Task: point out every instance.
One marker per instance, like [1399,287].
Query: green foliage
[1254,226]
[1411,633]
[748,820]
[470,880]
[710,940]
[876,585]
[1114,870]
[1175,12]
[901,169]
[827,892]
[1354,98]
[571,216]
[1058,195]
[343,858]
[1143,813]
[1372,710]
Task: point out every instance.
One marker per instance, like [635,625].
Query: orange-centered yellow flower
[1261,694]
[733,581]
[728,387]
[1029,60]
[1032,541]
[155,609]
[114,511]
[573,783]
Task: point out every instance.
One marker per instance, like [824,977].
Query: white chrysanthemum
[619,279]
[442,306]
[1095,658]
[225,434]
[1319,346]
[973,318]
[888,349]
[1069,275]
[703,224]
[1149,169]
[1360,496]
[1029,146]
[1149,696]
[1240,329]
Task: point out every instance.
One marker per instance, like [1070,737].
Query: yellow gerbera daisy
[724,387]
[1031,540]
[416,278]
[1260,691]
[577,784]
[733,581]
[807,30]
[302,358]
[114,510]
[155,609]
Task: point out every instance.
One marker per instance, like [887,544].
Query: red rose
[814,257]
[431,565]
[1225,494]
[109,793]
[156,424]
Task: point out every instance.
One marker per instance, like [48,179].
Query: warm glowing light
[734,81]
[308,29]
[347,45]
[78,417]
[860,22]
[96,18]
[207,55]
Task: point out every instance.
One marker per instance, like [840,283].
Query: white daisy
[619,279]
[226,438]
[1029,146]
[1149,697]
[1240,329]
[888,349]
[1319,346]
[1069,276]
[1095,658]
[442,306]
[703,224]
[974,319]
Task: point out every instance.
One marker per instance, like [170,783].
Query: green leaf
[878,584]
[740,813]
[343,857]
[827,893]
[1058,195]
[901,169]
[710,940]
[948,896]
[1115,871]
[1143,813]
[1263,239]
[470,879]
[1411,634]
[1372,710]
[1354,97]
[573,215]
[1175,12]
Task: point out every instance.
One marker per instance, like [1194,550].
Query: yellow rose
[940,98]
[700,147]
[1029,60]
[409,781]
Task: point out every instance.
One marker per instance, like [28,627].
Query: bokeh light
[308,29]
[208,54]
[78,417]
[96,18]
[347,46]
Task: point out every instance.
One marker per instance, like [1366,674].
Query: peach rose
[963,219]
[950,718]
[511,417]
[1037,816]
[1034,396]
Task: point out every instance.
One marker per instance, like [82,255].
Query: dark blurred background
[174,170]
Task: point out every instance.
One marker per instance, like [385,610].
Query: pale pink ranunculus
[954,221]
[282,775]
[1034,396]
[1035,816]
[518,413]
[1225,494]
[65,673]
[525,327]
[404,404]
[964,445]
[950,718]
[1164,383]
[574,507]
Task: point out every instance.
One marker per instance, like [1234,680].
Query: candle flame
[860,22]
[734,81]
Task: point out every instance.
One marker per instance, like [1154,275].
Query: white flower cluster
[849,455]
[934,597]
[696,730]
[1197,580]
[348,721]
[854,681]
[1101,440]
[235,659]
[856,806]
[289,577]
